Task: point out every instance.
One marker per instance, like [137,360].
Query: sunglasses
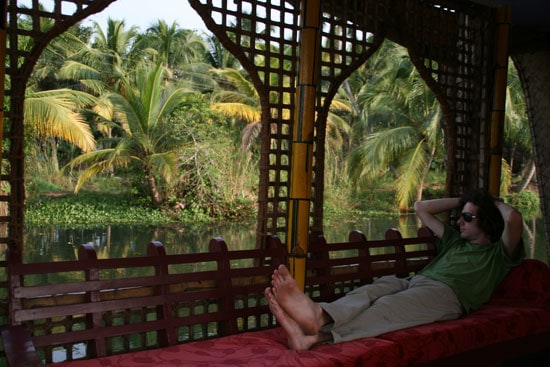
[468,217]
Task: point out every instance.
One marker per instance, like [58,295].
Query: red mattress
[519,307]
[263,348]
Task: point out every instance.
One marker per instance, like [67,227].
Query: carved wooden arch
[451,43]
[19,65]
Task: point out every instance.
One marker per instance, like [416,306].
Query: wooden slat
[170,299]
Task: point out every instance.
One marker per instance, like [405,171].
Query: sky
[143,13]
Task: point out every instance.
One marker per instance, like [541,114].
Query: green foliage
[399,131]
[91,208]
[38,186]
[189,152]
[527,202]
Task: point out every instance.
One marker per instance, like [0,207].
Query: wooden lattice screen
[24,46]
[450,42]
[457,61]
[344,47]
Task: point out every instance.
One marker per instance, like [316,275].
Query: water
[43,244]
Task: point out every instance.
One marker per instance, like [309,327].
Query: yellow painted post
[301,170]
[504,16]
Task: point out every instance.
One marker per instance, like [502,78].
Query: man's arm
[513,228]
[426,210]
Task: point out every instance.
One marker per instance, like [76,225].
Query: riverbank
[55,206]
[57,222]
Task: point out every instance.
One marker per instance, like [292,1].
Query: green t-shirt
[472,271]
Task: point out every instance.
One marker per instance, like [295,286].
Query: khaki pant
[389,304]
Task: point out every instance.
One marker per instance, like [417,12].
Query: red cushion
[527,283]
[489,324]
[263,348]
[520,306]
[514,311]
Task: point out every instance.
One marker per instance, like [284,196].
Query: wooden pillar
[504,15]
[3,9]
[301,170]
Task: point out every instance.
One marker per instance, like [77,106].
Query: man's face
[469,225]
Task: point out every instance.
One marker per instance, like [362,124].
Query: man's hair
[489,218]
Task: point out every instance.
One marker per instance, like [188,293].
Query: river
[43,244]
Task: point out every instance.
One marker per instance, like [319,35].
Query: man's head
[480,212]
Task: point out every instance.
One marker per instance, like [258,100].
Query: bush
[527,202]
[91,208]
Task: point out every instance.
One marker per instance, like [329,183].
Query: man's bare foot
[306,313]
[297,340]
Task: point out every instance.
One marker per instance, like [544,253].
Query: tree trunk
[528,178]
[53,153]
[155,194]
[424,174]
[354,105]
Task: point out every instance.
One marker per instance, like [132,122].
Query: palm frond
[250,133]
[164,164]
[53,114]
[238,80]
[238,111]
[411,176]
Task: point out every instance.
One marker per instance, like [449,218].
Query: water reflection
[57,244]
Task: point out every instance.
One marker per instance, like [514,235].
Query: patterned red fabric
[528,283]
[519,307]
[489,324]
[254,349]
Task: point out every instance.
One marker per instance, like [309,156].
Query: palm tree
[101,66]
[176,46]
[119,44]
[218,56]
[55,114]
[236,97]
[147,140]
[182,51]
[112,56]
[52,111]
[402,119]
[516,130]
[45,75]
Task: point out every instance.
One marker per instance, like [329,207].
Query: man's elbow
[514,219]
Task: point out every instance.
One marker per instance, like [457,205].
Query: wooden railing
[336,268]
[109,306]
[119,305]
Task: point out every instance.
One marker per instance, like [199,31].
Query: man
[471,262]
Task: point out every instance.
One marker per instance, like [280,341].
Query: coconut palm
[176,46]
[517,134]
[52,111]
[111,57]
[403,118]
[100,67]
[236,97]
[146,138]
[218,56]
[45,74]
[183,51]
[55,114]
